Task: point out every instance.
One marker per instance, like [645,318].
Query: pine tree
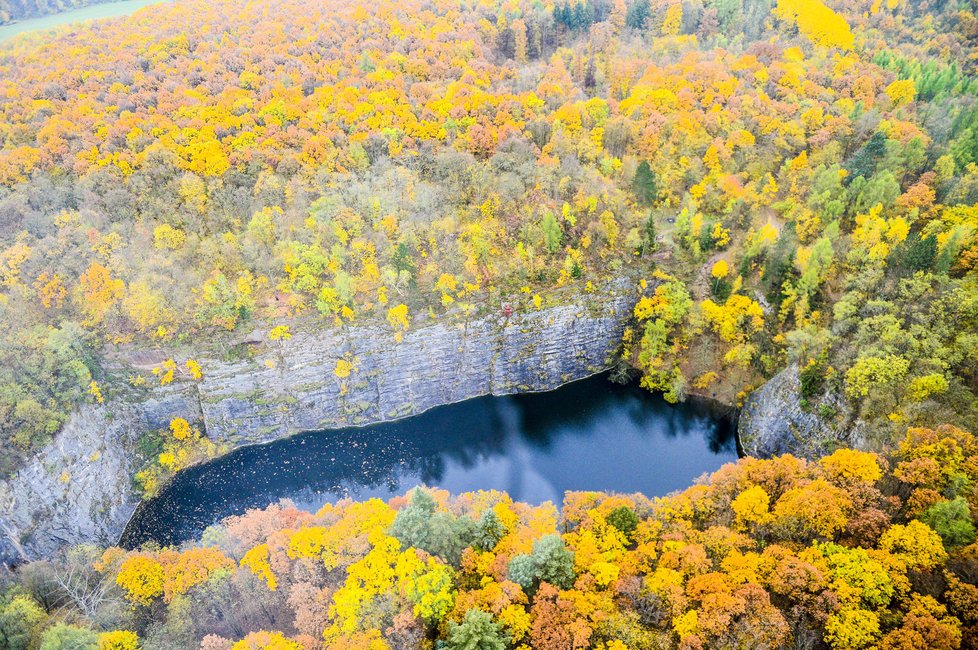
[645,185]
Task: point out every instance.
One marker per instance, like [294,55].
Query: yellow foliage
[50,289]
[921,388]
[100,292]
[118,640]
[398,318]
[705,380]
[256,560]
[263,640]
[194,369]
[95,391]
[816,21]
[736,320]
[852,465]
[902,91]
[280,333]
[673,19]
[166,237]
[720,269]
[180,428]
[916,544]
[141,576]
[752,507]
[343,368]
[165,371]
[686,624]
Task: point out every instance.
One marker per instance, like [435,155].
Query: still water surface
[46,24]
[588,435]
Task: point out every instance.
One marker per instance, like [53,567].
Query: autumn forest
[780,187]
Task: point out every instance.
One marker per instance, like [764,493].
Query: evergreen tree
[549,562]
[863,162]
[552,233]
[645,185]
[422,526]
[476,632]
[624,519]
[638,14]
[489,531]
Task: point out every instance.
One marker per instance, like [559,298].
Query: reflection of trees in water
[578,407]
[379,459]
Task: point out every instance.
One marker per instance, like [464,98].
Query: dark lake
[588,435]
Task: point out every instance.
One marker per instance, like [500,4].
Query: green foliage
[638,14]
[477,631]
[918,253]
[43,370]
[649,235]
[68,637]
[553,235]
[624,519]
[812,377]
[489,531]
[549,562]
[863,163]
[20,620]
[424,527]
[644,185]
[576,16]
[952,521]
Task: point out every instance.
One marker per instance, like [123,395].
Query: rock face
[78,489]
[773,422]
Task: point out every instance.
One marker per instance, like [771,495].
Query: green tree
[550,562]
[863,162]
[645,185]
[424,527]
[69,637]
[553,235]
[952,521]
[490,530]
[19,622]
[476,632]
[638,13]
[624,519]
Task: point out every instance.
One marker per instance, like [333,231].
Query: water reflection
[589,435]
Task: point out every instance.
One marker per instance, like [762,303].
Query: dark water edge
[591,434]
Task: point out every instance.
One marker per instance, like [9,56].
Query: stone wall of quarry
[79,488]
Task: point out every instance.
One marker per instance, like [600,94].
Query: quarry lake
[588,435]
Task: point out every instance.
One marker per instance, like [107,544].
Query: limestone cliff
[78,489]
[773,421]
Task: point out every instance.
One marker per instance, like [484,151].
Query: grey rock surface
[773,421]
[79,488]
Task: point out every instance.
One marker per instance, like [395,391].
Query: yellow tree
[673,20]
[399,319]
[99,293]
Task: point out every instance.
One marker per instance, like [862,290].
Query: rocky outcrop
[295,388]
[773,421]
[79,488]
